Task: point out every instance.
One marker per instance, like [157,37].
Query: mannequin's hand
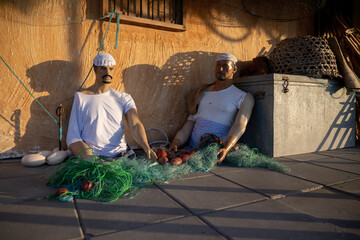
[221,154]
[174,145]
[173,148]
[150,154]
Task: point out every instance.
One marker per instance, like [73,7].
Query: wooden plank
[104,7]
[137,8]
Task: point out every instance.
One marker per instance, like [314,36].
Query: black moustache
[106,76]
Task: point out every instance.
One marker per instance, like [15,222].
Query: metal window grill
[168,11]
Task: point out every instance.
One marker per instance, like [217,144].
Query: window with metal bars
[160,14]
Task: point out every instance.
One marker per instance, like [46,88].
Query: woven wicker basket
[307,55]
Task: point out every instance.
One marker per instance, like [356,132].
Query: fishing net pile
[110,179]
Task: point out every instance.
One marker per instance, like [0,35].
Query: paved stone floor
[318,199]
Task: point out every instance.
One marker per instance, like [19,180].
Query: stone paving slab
[150,206]
[178,229]
[270,183]
[355,149]
[222,169]
[320,174]
[16,169]
[19,189]
[209,193]
[352,187]
[355,156]
[270,219]
[327,206]
[307,157]
[197,174]
[286,161]
[40,219]
[339,163]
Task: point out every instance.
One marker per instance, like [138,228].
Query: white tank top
[216,113]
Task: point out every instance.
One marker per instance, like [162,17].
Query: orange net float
[61,192]
[86,186]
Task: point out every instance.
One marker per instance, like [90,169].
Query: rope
[117,29]
[110,180]
[253,152]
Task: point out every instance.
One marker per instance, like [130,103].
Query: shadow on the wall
[14,122]
[220,16]
[92,13]
[16,119]
[159,92]
[50,79]
[25,7]
[54,81]
[223,17]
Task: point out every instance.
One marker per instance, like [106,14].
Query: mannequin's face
[104,74]
[224,70]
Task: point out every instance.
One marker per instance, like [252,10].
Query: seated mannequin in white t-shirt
[223,110]
[96,119]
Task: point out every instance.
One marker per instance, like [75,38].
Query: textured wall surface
[51,52]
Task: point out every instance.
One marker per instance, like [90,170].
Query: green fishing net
[124,177]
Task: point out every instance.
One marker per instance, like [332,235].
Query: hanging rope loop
[117,29]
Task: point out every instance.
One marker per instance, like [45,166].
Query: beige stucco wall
[52,54]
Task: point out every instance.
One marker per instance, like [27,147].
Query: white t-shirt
[97,120]
[216,113]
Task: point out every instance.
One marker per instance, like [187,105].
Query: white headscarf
[104,59]
[226,56]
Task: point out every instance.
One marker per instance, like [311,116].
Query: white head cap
[226,56]
[104,59]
